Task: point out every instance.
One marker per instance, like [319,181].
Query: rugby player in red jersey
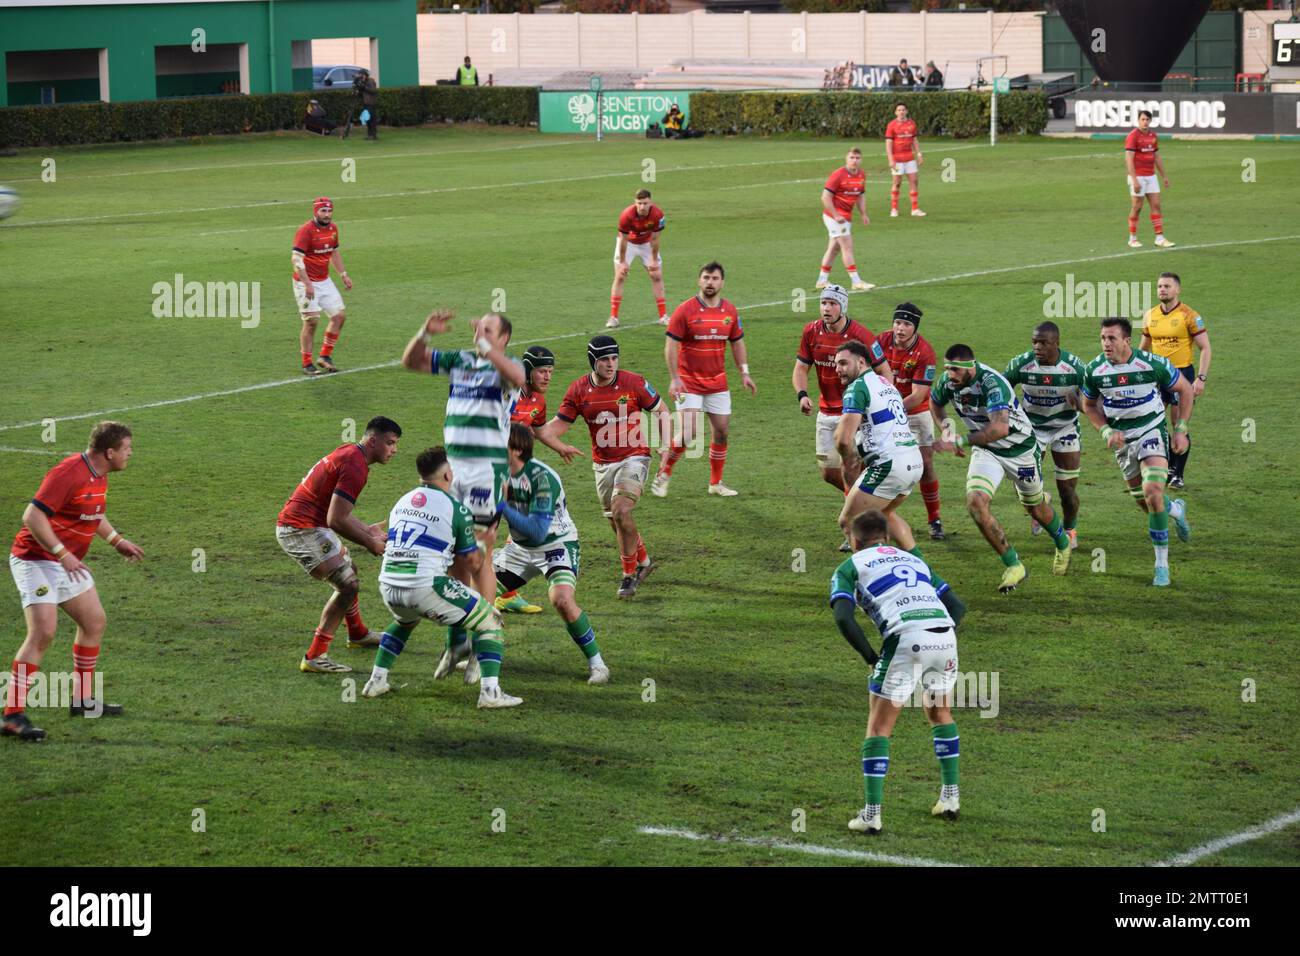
[844,191]
[60,522]
[914,363]
[315,248]
[612,403]
[639,226]
[530,410]
[1142,156]
[309,526]
[696,352]
[820,341]
[903,153]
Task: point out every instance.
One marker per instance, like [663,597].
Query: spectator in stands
[317,121]
[933,78]
[900,77]
[467,75]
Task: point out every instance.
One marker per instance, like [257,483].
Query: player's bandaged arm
[528,529]
[846,620]
[299,262]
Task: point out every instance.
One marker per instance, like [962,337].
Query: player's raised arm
[124,547]
[418,356]
[510,370]
[343,522]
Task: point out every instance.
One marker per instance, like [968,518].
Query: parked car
[333,77]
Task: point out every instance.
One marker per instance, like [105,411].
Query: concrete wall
[632,42]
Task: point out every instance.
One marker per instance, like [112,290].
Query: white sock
[853,275]
[1177,507]
[595,661]
[379,673]
[487,684]
[871,811]
[950,792]
[1162,555]
[823,277]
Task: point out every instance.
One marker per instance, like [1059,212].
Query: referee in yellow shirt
[1170,330]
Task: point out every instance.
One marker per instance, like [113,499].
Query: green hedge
[78,123]
[849,114]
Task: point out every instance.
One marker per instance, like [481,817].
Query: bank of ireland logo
[582,107]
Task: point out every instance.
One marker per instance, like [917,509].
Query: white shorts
[310,547]
[45,582]
[326,298]
[892,478]
[837,229]
[986,471]
[478,484]
[917,657]
[922,425]
[828,456]
[903,169]
[1145,185]
[627,477]
[448,602]
[557,561]
[715,403]
[1153,444]
[1063,439]
[637,250]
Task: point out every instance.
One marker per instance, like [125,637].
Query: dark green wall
[130,32]
[194,84]
[302,79]
[28,92]
[1214,50]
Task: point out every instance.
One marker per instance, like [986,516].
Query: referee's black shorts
[1171,397]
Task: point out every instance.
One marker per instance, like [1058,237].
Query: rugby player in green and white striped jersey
[1049,378]
[484,386]
[1121,396]
[1004,444]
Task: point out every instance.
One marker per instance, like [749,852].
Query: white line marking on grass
[407,192]
[812,849]
[1245,836]
[280,226]
[32,451]
[393,363]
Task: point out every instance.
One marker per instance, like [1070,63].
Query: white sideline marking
[301,162]
[280,226]
[408,192]
[810,848]
[1245,836]
[637,325]
[392,363]
[32,451]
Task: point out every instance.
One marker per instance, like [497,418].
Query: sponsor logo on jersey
[418,499]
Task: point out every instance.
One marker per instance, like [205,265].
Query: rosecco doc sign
[622,111]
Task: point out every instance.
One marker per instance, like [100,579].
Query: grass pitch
[1112,696]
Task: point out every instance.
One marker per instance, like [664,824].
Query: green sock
[875,764]
[583,635]
[392,644]
[489,647]
[947,749]
[935,580]
[1070,523]
[456,636]
[1058,534]
[1011,559]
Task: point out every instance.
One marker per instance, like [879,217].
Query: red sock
[893,198]
[629,563]
[1158,224]
[1132,225]
[717,461]
[614,302]
[320,644]
[327,346]
[675,453]
[352,617]
[930,494]
[510,594]
[663,309]
[850,268]
[641,556]
[83,667]
[306,358]
[16,696]
[914,195]
[826,272]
